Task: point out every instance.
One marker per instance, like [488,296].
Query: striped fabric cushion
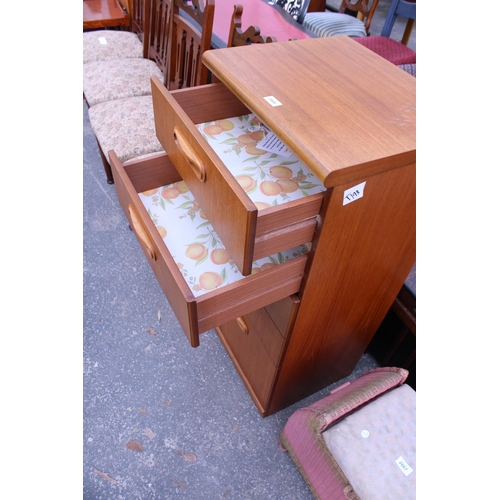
[333,23]
[412,70]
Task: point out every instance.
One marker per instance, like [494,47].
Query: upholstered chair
[103,45]
[112,79]
[127,125]
[341,22]
[394,51]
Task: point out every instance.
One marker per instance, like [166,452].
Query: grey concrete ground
[162,420]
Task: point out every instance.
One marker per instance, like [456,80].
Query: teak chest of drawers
[349,117]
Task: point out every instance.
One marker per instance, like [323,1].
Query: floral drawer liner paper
[268,180]
[193,243]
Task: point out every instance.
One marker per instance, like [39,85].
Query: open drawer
[163,214]
[259,202]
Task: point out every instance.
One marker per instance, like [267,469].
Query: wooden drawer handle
[243,325]
[140,231]
[191,157]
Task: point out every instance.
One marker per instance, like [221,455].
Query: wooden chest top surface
[346,112]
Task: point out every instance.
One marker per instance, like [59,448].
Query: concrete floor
[186,410]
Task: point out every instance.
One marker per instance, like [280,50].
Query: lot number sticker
[353,193]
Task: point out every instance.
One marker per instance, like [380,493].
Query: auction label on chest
[354,193]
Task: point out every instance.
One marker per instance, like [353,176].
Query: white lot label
[102,40]
[272,101]
[354,193]
[404,466]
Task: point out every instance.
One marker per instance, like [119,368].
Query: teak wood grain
[258,351]
[161,172]
[349,116]
[370,245]
[344,111]
[103,13]
[219,194]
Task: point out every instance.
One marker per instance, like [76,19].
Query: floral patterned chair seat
[104,45]
[127,126]
[105,80]
[116,79]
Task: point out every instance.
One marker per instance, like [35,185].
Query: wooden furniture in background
[238,37]
[269,18]
[406,9]
[394,343]
[120,44]
[112,121]
[99,14]
[190,36]
[297,327]
[160,23]
[125,77]
[317,6]
[392,50]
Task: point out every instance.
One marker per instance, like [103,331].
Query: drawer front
[283,314]
[254,343]
[249,230]
[215,189]
[204,312]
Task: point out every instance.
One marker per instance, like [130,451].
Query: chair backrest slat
[161,12]
[140,22]
[138,16]
[190,36]
[364,8]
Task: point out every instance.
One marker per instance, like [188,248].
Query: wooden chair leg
[408,30]
[107,166]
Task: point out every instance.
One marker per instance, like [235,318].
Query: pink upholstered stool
[359,442]
[389,49]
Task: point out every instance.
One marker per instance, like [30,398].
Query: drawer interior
[278,184]
[269,178]
[193,243]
